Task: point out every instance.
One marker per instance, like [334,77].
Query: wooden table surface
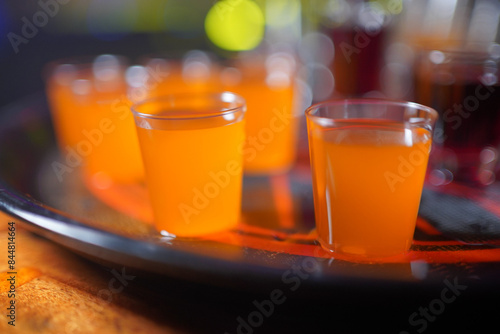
[59,292]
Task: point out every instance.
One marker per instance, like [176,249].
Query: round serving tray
[275,243]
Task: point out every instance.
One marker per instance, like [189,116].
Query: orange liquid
[114,152]
[271,126]
[194,175]
[176,80]
[368,181]
[94,126]
[67,121]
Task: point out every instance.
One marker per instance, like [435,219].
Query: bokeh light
[235,25]
[282,13]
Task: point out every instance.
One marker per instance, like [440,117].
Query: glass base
[354,253]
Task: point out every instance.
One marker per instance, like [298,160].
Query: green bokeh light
[235,25]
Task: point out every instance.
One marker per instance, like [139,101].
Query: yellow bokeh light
[235,25]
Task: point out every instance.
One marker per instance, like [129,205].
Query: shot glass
[268,84]
[191,149]
[461,83]
[191,72]
[91,114]
[111,150]
[368,160]
[72,83]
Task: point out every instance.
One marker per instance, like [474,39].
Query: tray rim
[147,257]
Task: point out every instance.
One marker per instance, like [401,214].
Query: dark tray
[457,234]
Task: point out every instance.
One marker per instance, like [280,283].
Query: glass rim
[81,63]
[365,101]
[238,99]
[173,55]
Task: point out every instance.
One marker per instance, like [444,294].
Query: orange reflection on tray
[133,200]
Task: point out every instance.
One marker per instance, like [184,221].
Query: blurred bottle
[449,50]
[445,24]
[462,85]
[345,51]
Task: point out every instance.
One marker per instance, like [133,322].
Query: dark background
[169,25]
[71,33]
